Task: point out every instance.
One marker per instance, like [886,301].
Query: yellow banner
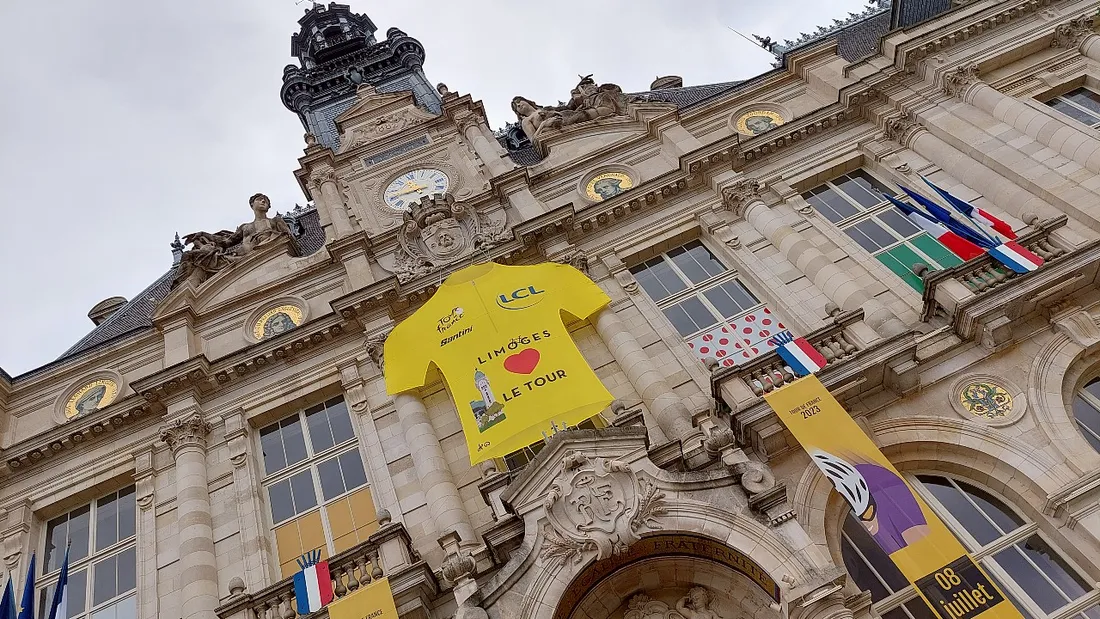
[497,335]
[952,584]
[375,601]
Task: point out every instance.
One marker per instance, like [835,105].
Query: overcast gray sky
[125,122]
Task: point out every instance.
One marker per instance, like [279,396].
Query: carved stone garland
[438,232]
[598,505]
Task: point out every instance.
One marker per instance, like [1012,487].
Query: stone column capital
[1073,33]
[189,431]
[959,81]
[738,197]
[375,349]
[576,258]
[902,129]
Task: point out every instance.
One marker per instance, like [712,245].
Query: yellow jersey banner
[375,601]
[496,334]
[952,584]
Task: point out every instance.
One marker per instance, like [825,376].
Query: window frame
[1064,98]
[698,290]
[46,579]
[1092,401]
[311,463]
[865,213]
[983,554]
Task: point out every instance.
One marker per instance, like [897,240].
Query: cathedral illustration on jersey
[487,411]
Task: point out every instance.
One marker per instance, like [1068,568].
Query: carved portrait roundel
[755,122]
[277,320]
[91,397]
[607,185]
[408,188]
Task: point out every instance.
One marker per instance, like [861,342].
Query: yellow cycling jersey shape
[497,335]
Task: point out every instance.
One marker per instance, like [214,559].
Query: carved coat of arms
[439,231]
[598,505]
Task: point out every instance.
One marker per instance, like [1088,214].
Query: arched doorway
[672,576]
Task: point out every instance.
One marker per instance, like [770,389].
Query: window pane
[127,570]
[106,521]
[272,444]
[126,609]
[861,573]
[1088,419]
[1029,579]
[1055,568]
[301,486]
[78,592]
[901,270]
[1085,98]
[689,316]
[282,505]
[730,298]
[900,223]
[1093,387]
[332,484]
[1001,514]
[351,463]
[658,279]
[919,609]
[696,261]
[320,433]
[876,235]
[860,189]
[293,441]
[955,503]
[1072,111]
[832,205]
[78,534]
[874,554]
[57,531]
[105,580]
[340,420]
[936,251]
[127,513]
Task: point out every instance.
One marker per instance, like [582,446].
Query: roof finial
[177,249]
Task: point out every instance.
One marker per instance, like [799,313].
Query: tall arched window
[1030,571]
[1086,412]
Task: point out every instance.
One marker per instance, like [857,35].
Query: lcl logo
[521,298]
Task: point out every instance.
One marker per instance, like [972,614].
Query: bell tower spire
[337,52]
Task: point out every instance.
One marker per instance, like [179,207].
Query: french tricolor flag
[1016,257]
[952,241]
[976,214]
[312,585]
[796,352]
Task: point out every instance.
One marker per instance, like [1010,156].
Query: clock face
[410,187]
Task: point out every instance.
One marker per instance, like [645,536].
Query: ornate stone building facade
[234,414]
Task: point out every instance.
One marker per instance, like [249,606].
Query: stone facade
[178,440]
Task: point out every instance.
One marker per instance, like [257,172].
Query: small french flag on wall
[1016,257]
[312,585]
[796,352]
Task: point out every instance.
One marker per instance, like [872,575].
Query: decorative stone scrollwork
[627,281]
[957,82]
[382,126]
[438,232]
[738,197]
[322,174]
[375,347]
[598,506]
[189,431]
[901,129]
[576,259]
[755,477]
[1071,34]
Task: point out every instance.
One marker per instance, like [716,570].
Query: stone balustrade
[946,289]
[386,551]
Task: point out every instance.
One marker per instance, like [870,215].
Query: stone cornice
[1071,34]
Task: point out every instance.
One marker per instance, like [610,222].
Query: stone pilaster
[673,418]
[1009,196]
[490,152]
[323,180]
[378,473]
[255,542]
[827,606]
[146,532]
[744,200]
[198,571]
[1049,129]
[440,491]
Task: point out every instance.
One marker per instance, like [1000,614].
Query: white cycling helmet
[846,479]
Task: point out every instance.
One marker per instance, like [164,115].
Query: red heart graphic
[523,362]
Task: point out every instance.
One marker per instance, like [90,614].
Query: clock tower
[337,53]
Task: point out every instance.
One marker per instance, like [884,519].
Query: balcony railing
[946,289]
[350,570]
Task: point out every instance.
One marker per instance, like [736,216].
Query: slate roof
[137,314]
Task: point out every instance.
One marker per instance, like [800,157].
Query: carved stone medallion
[598,505]
[438,231]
